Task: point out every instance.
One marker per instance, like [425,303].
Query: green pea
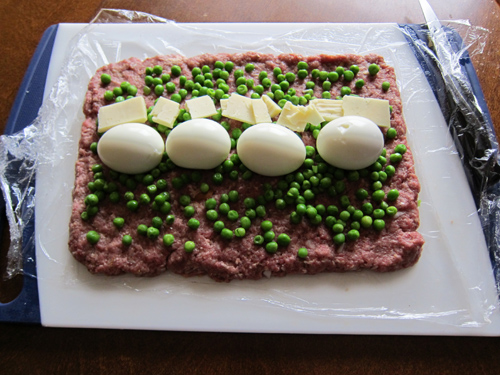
[93,237]
[323,75]
[378,224]
[127,240]
[193,223]
[266,82]
[272,247]
[367,208]
[91,200]
[227,233]
[302,73]
[302,253]
[189,211]
[258,239]
[240,232]
[315,73]
[168,239]
[378,195]
[170,219]
[348,75]
[390,170]
[373,69]
[144,199]
[210,203]
[142,229]
[109,95]
[290,77]
[283,239]
[391,133]
[152,232]
[249,67]
[359,83]
[339,239]
[105,79]
[395,157]
[176,70]
[159,89]
[266,225]
[391,211]
[345,91]
[189,246]
[184,200]
[401,149]
[165,78]
[327,85]
[392,195]
[385,86]
[366,221]
[132,205]
[352,235]
[232,215]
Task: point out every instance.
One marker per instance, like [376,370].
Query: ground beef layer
[397,246]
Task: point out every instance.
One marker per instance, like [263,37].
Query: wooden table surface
[37,350]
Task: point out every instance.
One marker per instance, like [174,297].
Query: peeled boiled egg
[198,144]
[350,142]
[271,149]
[131,148]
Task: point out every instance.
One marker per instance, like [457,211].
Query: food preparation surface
[447,292]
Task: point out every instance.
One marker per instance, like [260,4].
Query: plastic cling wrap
[451,287]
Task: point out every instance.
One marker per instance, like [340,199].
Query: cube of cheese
[273,108]
[165,112]
[260,111]
[239,108]
[377,110]
[130,110]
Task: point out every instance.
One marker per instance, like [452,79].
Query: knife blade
[469,126]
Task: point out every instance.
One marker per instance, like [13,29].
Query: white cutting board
[450,291]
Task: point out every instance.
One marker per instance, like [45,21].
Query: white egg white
[350,142]
[198,144]
[131,148]
[271,149]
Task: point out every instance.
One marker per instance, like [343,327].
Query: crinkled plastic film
[442,289]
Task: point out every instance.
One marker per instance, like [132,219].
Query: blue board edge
[25,308]
[416,34]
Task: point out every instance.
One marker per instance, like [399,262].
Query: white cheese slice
[272,107]
[223,104]
[329,109]
[289,110]
[306,115]
[376,110]
[130,110]
[260,111]
[201,107]
[165,112]
[239,108]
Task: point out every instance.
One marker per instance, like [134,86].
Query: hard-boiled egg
[198,144]
[271,149]
[350,142]
[131,148]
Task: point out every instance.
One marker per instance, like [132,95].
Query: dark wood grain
[37,350]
